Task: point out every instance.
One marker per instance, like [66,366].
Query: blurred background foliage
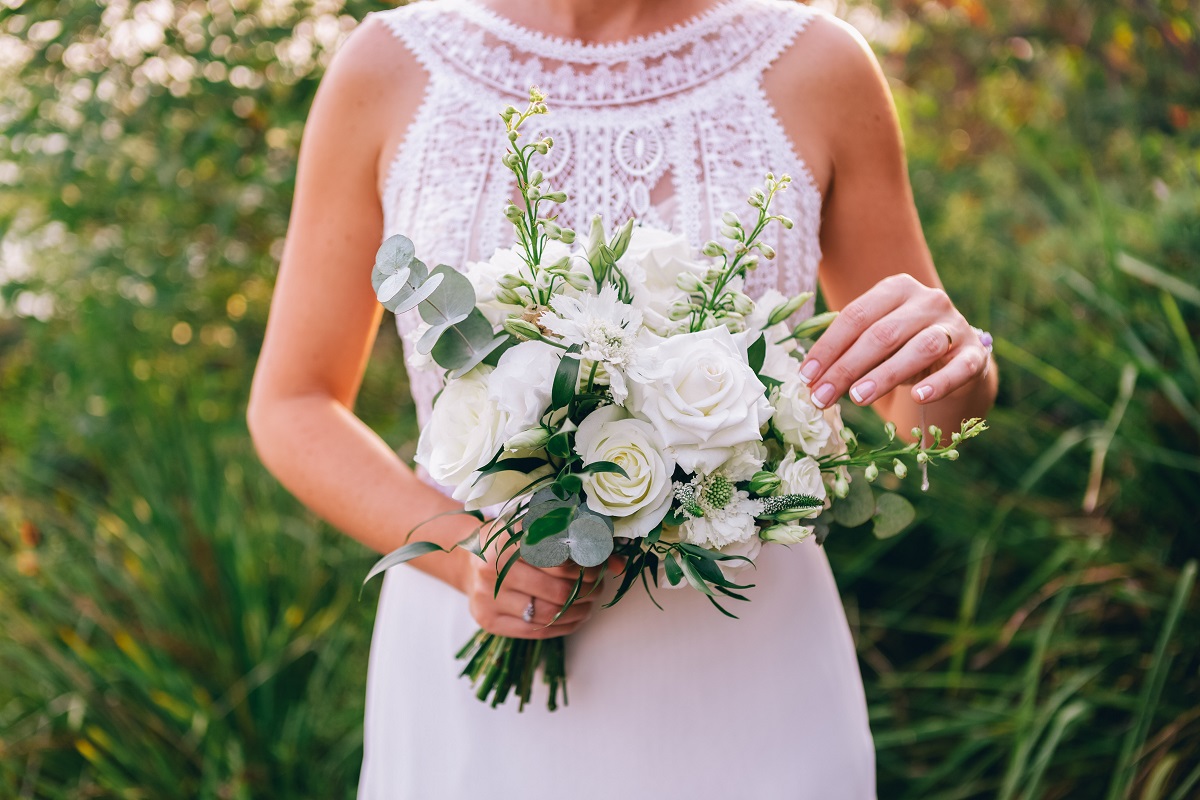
[173,624]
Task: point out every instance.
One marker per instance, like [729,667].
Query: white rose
[800,476]
[746,460]
[701,396]
[652,263]
[521,383]
[801,423]
[779,363]
[640,501]
[464,431]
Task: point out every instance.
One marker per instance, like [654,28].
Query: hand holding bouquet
[623,396]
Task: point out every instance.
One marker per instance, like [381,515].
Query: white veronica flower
[606,329]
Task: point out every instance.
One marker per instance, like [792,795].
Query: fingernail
[863,391]
[809,371]
[924,391]
[823,395]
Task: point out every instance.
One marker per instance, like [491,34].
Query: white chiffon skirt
[678,703]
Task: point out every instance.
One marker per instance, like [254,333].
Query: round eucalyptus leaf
[478,356]
[856,507]
[589,540]
[462,341]
[392,286]
[453,300]
[395,254]
[548,552]
[893,513]
[409,301]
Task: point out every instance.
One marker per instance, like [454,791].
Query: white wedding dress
[673,128]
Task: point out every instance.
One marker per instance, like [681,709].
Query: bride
[669,111]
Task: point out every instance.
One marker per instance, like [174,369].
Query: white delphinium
[717,513]
[605,329]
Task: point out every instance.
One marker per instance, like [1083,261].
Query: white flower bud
[899,468]
[786,222]
[567,236]
[579,280]
[512,212]
[922,457]
[730,219]
[890,429]
[767,251]
[871,472]
[713,249]
[522,329]
[536,177]
[680,309]
[784,310]
[729,232]
[532,193]
[555,197]
[510,281]
[742,303]
[528,440]
[786,534]
[688,282]
[509,297]
[841,487]
[950,455]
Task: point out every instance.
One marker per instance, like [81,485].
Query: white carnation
[746,460]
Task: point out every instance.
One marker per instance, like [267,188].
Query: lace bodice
[673,129]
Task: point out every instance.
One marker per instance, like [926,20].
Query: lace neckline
[578,51]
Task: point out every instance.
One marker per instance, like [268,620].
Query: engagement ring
[528,615]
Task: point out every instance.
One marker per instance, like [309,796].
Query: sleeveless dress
[674,129]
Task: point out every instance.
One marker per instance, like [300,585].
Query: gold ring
[946,331]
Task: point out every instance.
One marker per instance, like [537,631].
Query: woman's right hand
[547,589]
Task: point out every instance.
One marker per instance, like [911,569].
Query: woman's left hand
[897,332]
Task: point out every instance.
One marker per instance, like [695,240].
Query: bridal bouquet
[624,395]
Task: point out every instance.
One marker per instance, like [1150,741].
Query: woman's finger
[880,342]
[922,351]
[851,322]
[514,604]
[535,582]
[966,364]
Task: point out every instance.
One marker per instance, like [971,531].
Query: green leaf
[893,513]
[757,353]
[605,466]
[590,539]
[571,484]
[550,523]
[674,573]
[856,507]
[453,300]
[463,342]
[479,355]
[559,444]
[525,465]
[403,554]
[566,379]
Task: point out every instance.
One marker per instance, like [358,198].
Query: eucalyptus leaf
[590,540]
[856,507]
[400,305]
[893,513]
[479,355]
[462,341]
[551,523]
[453,300]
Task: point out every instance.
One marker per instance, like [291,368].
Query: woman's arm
[324,316]
[322,324]
[891,342]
